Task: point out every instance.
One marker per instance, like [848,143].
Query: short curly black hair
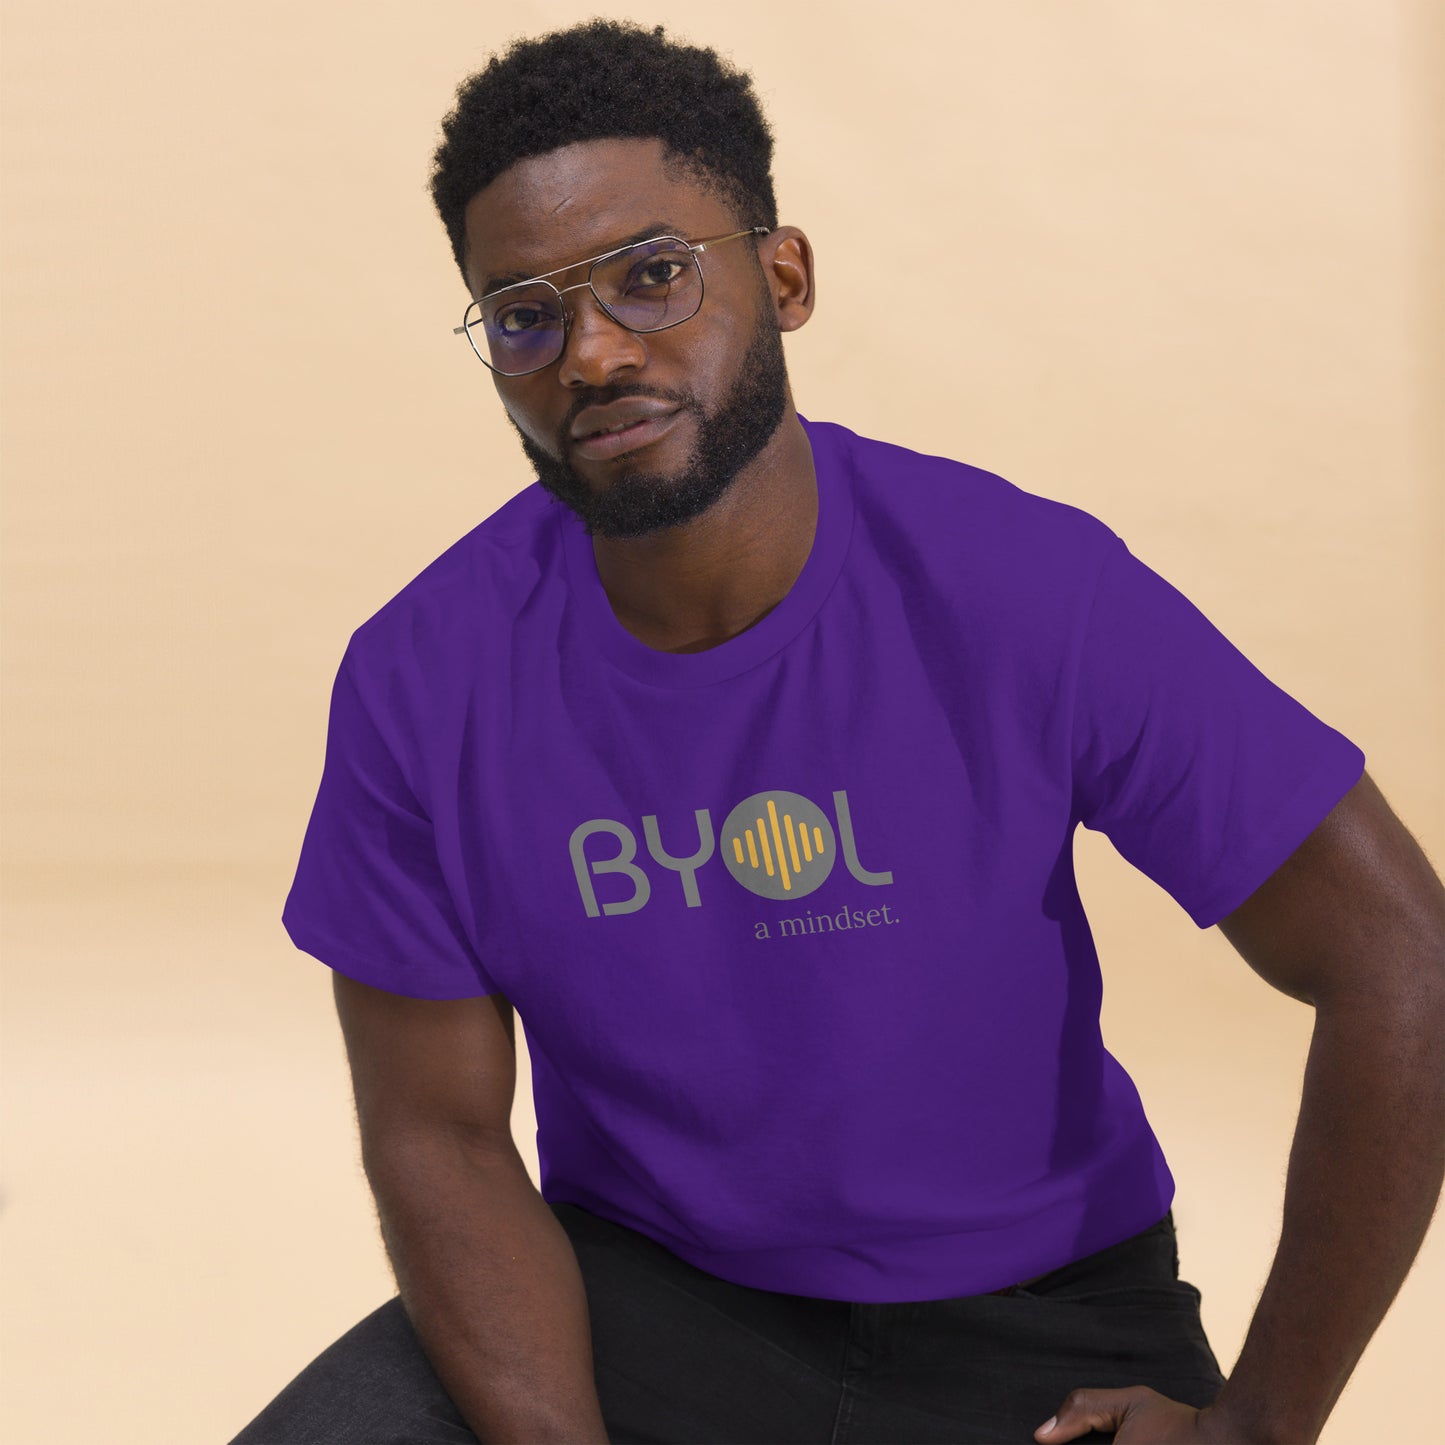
[600,79]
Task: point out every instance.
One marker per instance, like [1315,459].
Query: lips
[641,432]
[630,409]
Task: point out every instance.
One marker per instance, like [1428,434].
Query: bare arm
[487,1276]
[1353,924]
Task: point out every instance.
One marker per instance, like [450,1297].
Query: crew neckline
[765,637]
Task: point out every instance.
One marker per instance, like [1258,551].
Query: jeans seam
[843,1414]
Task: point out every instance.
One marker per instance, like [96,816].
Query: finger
[1085,1410]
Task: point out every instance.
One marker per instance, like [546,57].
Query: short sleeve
[369,898]
[1202,772]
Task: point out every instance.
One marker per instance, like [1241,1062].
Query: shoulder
[970,525]
[441,623]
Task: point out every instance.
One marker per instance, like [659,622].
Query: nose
[597,347]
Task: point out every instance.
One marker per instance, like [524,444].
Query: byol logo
[776,844]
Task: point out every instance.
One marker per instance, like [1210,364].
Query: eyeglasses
[647,286]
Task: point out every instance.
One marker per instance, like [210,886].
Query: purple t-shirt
[791,923]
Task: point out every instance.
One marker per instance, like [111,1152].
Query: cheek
[705,361]
[730,335]
[517,413]
[730,319]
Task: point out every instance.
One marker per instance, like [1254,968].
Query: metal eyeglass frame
[592,263]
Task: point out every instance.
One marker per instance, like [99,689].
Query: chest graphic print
[777,844]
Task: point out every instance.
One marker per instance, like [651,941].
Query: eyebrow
[657,228]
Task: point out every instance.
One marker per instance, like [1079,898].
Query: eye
[655,272]
[516,319]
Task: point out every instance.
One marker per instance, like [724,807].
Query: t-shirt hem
[1307,808]
[345,961]
[934,1266]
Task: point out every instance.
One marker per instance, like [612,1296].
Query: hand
[1139,1416]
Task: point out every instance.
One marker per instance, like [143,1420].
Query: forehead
[577,201]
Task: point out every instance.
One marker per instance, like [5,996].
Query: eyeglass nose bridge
[568,313]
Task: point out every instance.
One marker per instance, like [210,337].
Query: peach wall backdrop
[1193,286]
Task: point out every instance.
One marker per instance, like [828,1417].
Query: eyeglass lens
[647,287]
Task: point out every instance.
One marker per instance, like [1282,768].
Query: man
[743,755]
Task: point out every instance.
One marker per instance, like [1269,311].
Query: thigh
[373,1386]
[992,1368]
[681,1356]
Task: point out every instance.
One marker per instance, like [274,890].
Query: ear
[787,259]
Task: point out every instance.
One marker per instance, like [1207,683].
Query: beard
[635,501]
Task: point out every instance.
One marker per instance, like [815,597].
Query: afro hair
[602,79]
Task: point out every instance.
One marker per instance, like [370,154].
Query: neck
[692,587]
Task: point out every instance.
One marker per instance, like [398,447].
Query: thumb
[1085,1410]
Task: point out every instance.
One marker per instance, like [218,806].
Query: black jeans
[681,1356]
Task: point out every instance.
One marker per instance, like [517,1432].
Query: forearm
[492,1287]
[1365,1172]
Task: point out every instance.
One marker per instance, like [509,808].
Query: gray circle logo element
[778,845]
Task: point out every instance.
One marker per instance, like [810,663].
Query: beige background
[1191,258]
